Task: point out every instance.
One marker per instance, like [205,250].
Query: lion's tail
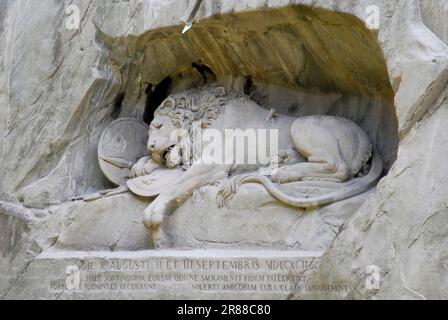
[361,185]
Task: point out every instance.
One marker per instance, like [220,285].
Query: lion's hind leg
[322,165]
[230,187]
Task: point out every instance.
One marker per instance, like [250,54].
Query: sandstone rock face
[60,88]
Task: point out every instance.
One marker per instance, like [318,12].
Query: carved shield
[121,145]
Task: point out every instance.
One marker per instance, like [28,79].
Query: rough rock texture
[270,54]
[403,229]
[261,222]
[17,248]
[72,83]
[113,224]
[434,17]
[71,91]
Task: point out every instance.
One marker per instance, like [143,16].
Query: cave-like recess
[297,59]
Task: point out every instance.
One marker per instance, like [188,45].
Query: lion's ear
[169,103]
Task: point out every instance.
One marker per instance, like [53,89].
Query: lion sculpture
[324,148]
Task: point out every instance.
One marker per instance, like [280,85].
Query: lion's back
[353,142]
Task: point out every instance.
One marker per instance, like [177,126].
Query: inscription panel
[179,275]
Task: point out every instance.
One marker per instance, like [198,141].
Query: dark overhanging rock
[294,46]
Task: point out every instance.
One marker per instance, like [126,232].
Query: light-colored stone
[110,224]
[335,150]
[221,274]
[403,229]
[254,219]
[434,16]
[59,91]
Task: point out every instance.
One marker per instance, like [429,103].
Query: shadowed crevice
[155,97]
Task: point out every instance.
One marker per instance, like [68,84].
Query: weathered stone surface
[220,274]
[115,223]
[17,248]
[294,49]
[403,229]
[79,94]
[109,224]
[58,91]
[434,16]
[254,219]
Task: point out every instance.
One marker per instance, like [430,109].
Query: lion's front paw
[137,171]
[149,168]
[154,215]
[227,191]
[222,196]
[153,219]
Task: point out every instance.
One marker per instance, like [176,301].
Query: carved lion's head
[174,118]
